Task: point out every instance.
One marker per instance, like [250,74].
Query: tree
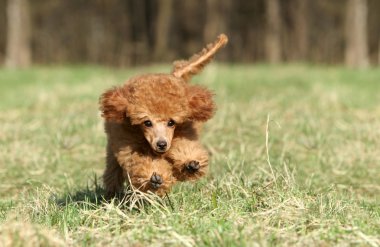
[18,53]
[273,31]
[139,37]
[378,59]
[162,29]
[356,34]
[301,28]
[215,19]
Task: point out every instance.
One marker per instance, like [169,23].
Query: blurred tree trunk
[356,34]
[378,61]
[273,31]
[96,38]
[301,28]
[190,23]
[140,52]
[18,54]
[215,19]
[162,29]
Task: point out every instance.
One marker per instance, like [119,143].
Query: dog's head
[157,103]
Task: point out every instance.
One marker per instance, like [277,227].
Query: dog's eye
[171,123]
[148,123]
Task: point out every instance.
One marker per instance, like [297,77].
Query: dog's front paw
[193,166]
[155,181]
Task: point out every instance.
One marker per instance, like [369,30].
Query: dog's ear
[113,104]
[201,104]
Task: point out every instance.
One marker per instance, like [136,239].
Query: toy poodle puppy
[152,124]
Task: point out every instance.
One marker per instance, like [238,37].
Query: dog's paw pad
[193,166]
[156,180]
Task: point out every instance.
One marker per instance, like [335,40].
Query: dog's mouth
[160,151]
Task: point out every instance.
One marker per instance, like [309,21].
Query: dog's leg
[188,158]
[148,174]
[113,178]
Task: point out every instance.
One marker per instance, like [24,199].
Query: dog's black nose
[162,145]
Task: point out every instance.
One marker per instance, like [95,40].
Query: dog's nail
[193,166]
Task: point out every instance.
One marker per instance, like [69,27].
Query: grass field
[295,161]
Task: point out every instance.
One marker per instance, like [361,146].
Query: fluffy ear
[113,104]
[201,104]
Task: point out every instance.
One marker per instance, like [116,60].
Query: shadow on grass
[91,194]
[94,196]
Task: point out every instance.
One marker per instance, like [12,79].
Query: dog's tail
[186,69]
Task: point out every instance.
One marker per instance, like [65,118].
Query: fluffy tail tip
[187,68]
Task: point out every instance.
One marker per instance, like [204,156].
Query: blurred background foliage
[139,32]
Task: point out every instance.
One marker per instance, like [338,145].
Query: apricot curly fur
[157,98]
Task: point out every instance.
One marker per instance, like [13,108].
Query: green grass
[320,188]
